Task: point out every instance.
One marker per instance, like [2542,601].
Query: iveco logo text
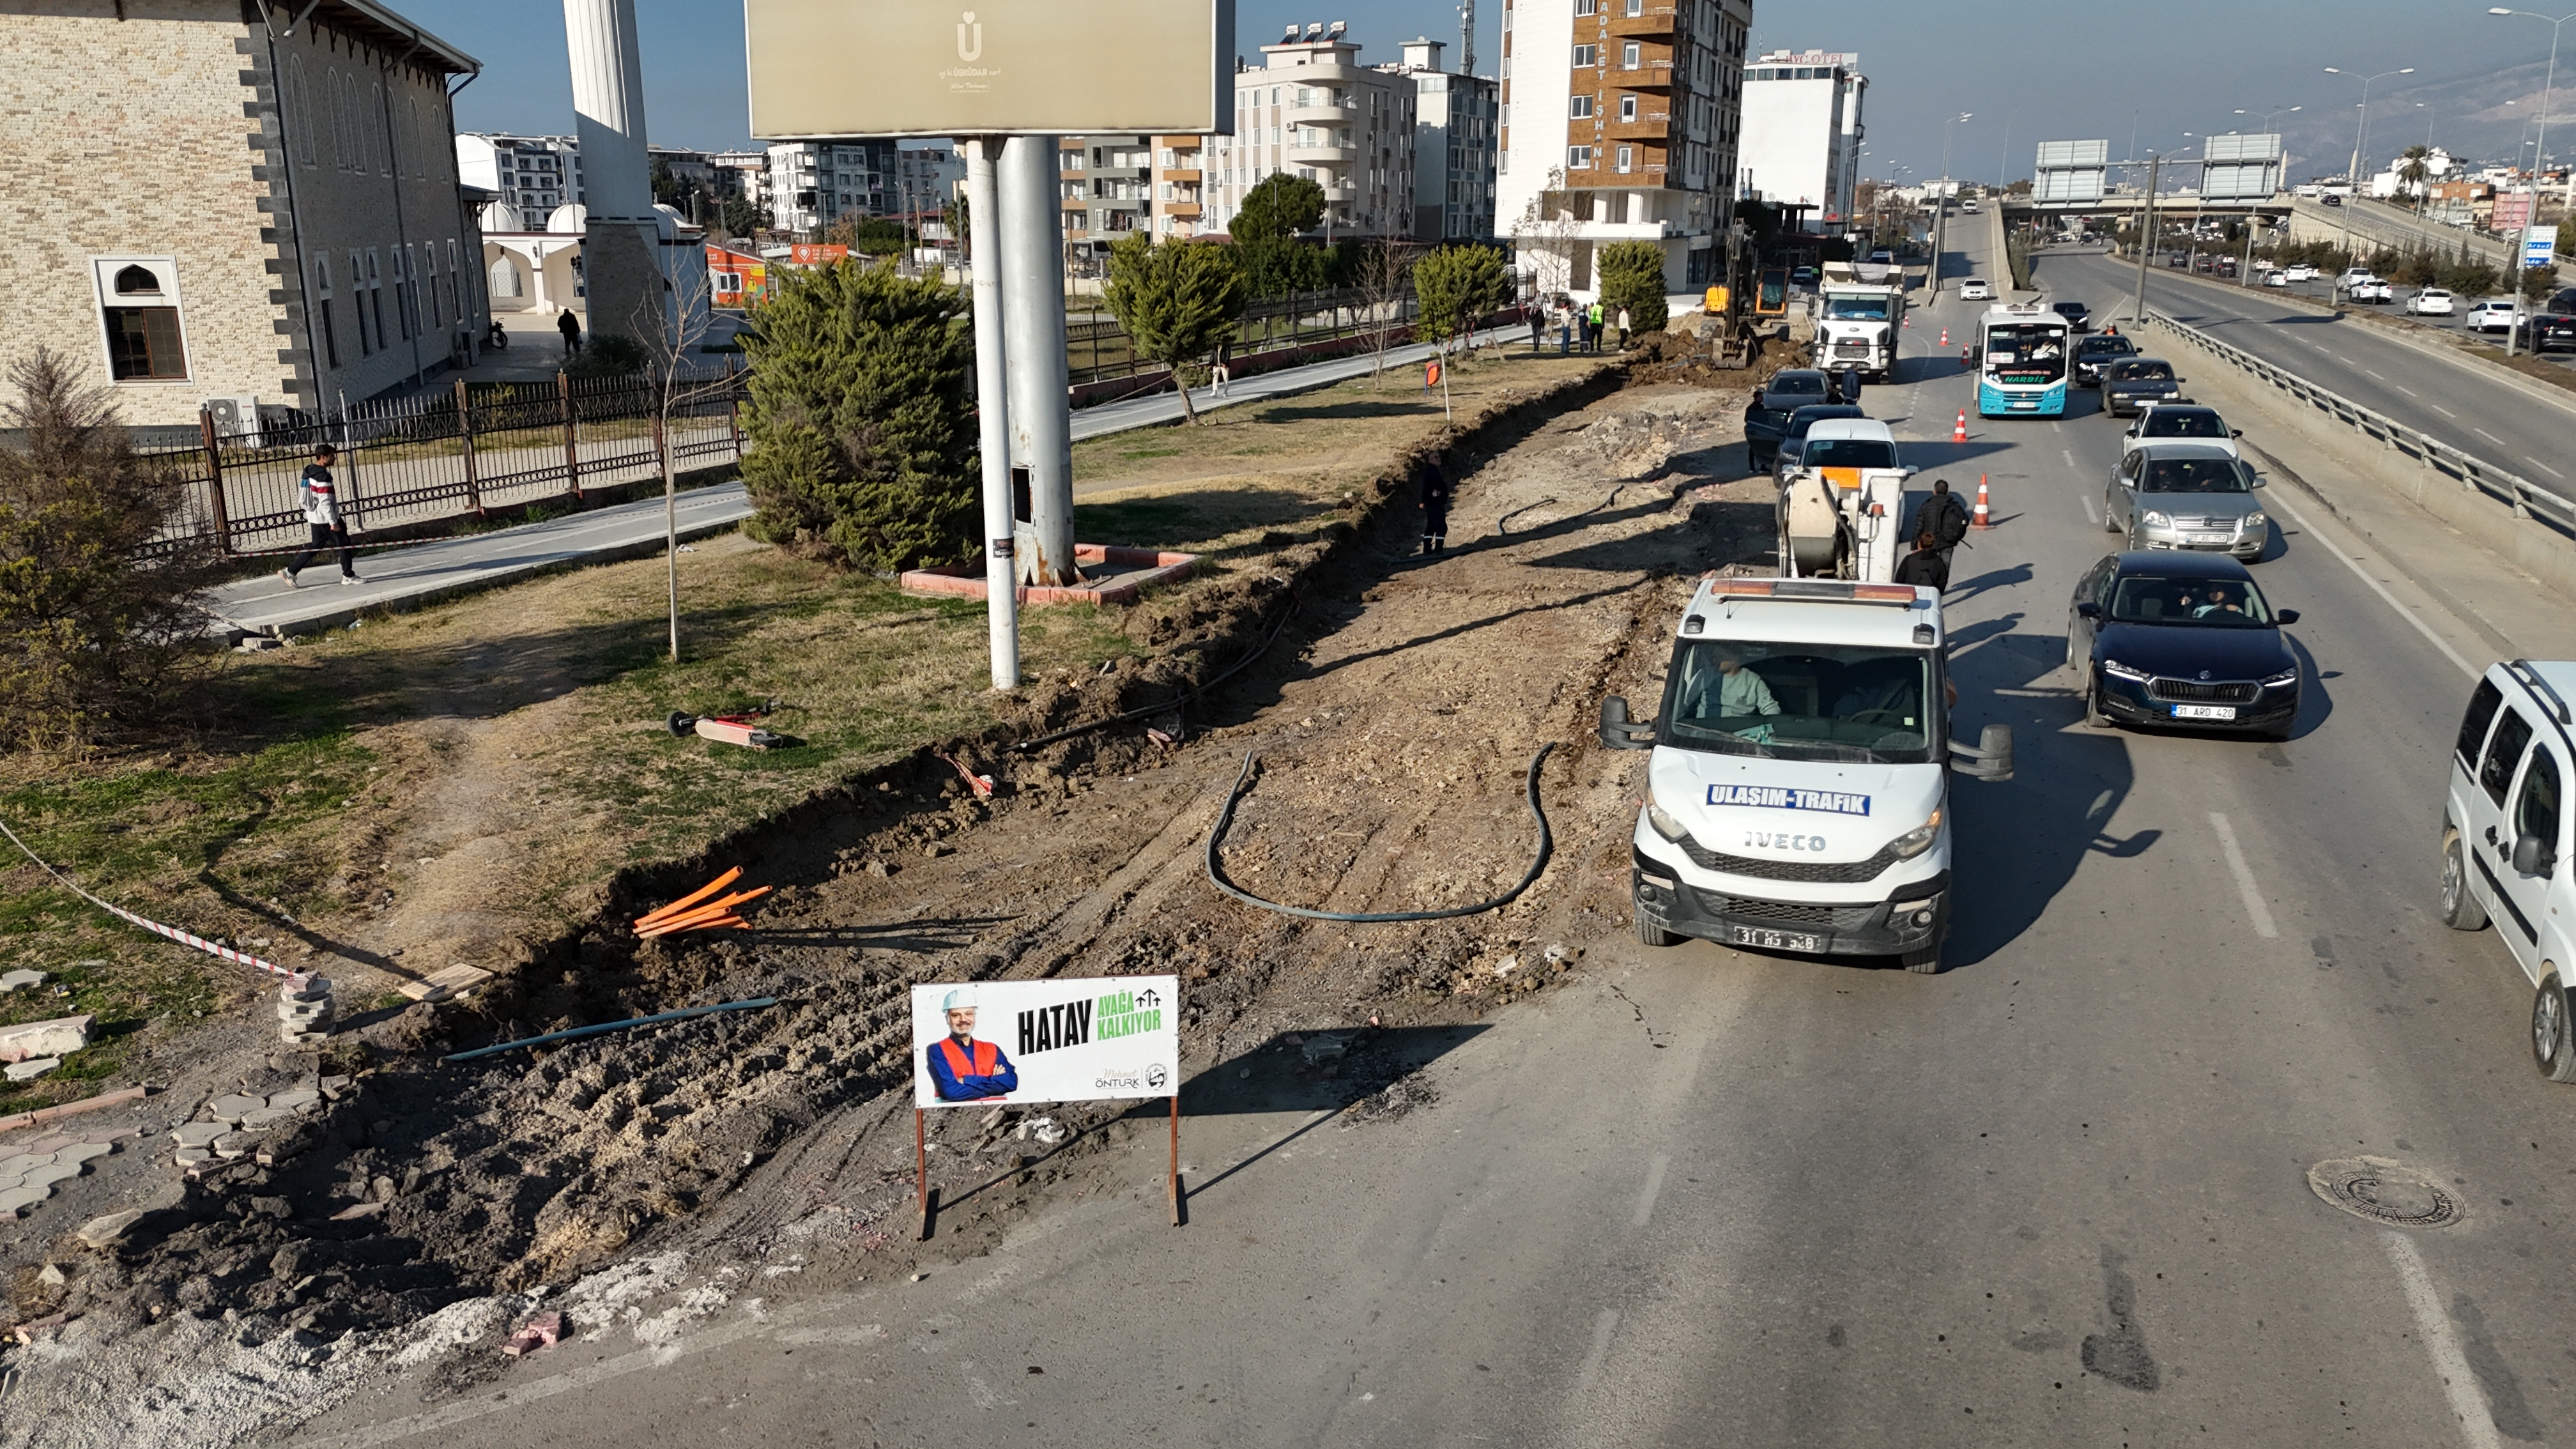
[1765,840]
[1781,797]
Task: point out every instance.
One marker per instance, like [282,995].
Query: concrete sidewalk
[417,574]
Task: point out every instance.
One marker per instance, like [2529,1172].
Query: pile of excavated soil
[1393,716]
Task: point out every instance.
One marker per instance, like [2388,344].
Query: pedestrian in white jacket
[322,514]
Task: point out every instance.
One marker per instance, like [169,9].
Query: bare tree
[1547,232]
[674,325]
[1385,282]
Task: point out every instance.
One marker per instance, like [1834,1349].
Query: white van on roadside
[1798,795]
[2505,855]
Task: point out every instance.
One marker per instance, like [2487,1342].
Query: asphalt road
[2456,403]
[2053,1196]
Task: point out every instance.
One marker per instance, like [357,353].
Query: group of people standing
[1579,327]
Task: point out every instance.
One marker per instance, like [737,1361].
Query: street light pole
[2539,149]
[1941,203]
[2245,273]
[2146,239]
[2352,173]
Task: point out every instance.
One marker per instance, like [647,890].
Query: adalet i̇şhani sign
[848,68]
[1046,1041]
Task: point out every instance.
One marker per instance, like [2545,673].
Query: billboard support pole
[1032,256]
[992,407]
[1172,1183]
[921,1166]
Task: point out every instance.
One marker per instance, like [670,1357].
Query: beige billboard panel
[988,67]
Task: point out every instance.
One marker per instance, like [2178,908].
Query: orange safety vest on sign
[986,1058]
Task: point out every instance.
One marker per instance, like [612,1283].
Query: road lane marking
[1600,1351]
[2068,454]
[2552,472]
[2490,437]
[2446,412]
[2245,886]
[2374,373]
[2477,1426]
[2410,392]
[2471,670]
[2090,515]
[1654,1185]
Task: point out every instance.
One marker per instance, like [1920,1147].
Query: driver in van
[1739,691]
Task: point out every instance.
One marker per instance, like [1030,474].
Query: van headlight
[2156,518]
[2257,519]
[1916,841]
[1664,824]
[2118,670]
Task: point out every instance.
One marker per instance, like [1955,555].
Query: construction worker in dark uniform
[1434,504]
[1945,518]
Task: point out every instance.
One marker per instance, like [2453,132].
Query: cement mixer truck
[1842,514]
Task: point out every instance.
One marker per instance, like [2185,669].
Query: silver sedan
[2181,495]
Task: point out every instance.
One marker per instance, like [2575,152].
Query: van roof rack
[2523,671]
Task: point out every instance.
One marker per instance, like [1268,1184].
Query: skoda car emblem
[2204,674]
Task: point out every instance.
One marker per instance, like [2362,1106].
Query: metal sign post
[992,406]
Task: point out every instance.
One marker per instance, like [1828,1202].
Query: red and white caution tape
[243,958]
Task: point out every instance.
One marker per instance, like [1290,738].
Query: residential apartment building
[1621,121]
[269,215]
[1114,185]
[738,175]
[812,183]
[531,175]
[925,178]
[1802,134]
[1457,135]
[1312,110]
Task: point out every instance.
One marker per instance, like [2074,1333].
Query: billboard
[2069,171]
[2240,167]
[2512,209]
[850,68]
[2540,247]
[816,254]
[1064,1040]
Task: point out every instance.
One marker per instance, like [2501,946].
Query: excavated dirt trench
[1393,718]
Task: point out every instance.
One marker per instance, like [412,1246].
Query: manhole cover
[2385,1192]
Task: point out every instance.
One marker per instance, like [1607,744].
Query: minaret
[621,250]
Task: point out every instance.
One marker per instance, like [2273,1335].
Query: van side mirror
[1991,758]
[1617,733]
[2532,856]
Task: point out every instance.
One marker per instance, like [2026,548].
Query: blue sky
[2028,69]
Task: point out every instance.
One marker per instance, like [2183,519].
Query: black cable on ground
[1225,819]
[1176,702]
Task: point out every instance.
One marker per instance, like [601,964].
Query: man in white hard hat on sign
[963,1069]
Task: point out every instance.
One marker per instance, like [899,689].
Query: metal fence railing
[1097,349]
[2526,498]
[453,454]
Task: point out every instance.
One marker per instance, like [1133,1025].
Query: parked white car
[2431,302]
[2301,273]
[2368,289]
[2354,277]
[2494,316]
[2276,279]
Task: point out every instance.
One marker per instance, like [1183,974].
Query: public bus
[2021,362]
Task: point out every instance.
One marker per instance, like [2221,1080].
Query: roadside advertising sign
[1064,1040]
[2540,247]
[816,254]
[834,68]
[2512,209]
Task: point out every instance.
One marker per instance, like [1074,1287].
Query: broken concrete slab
[198,1134]
[293,1100]
[236,1144]
[108,1231]
[16,980]
[195,1156]
[30,1069]
[263,1118]
[357,1210]
[59,1037]
[231,1107]
[544,1330]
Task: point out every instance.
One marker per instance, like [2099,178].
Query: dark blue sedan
[2182,639]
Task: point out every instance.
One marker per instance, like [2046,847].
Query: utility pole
[992,407]
[1032,258]
[2146,238]
[2539,154]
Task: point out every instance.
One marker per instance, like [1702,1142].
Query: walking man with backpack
[322,514]
[1944,519]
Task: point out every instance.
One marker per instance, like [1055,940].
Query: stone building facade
[253,205]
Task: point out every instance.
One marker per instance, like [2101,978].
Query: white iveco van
[1798,796]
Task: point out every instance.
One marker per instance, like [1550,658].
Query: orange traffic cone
[1959,434]
[1963,355]
[1983,517]
[1945,336]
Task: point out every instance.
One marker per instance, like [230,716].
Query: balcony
[1322,113]
[1188,209]
[1189,175]
[1657,20]
[1323,155]
[1648,126]
[1654,70]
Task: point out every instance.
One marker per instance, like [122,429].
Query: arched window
[334,117]
[137,282]
[299,108]
[377,116]
[505,278]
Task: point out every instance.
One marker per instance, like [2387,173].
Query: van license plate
[2204,711]
[1774,940]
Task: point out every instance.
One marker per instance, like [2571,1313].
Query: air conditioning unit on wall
[236,418]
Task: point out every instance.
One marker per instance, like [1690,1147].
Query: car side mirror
[1911,470]
[2088,610]
[1618,733]
[1991,758]
[2532,856]
[2261,483]
[2236,432]
[2288,616]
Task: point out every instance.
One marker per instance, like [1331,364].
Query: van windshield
[1800,701]
[1850,453]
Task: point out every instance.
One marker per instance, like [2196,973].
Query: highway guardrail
[2526,498]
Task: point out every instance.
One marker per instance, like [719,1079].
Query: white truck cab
[1842,512]
[1857,322]
[2505,854]
[1799,788]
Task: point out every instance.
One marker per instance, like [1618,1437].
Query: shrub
[862,420]
[609,354]
[2470,279]
[88,634]
[1456,283]
[1632,276]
